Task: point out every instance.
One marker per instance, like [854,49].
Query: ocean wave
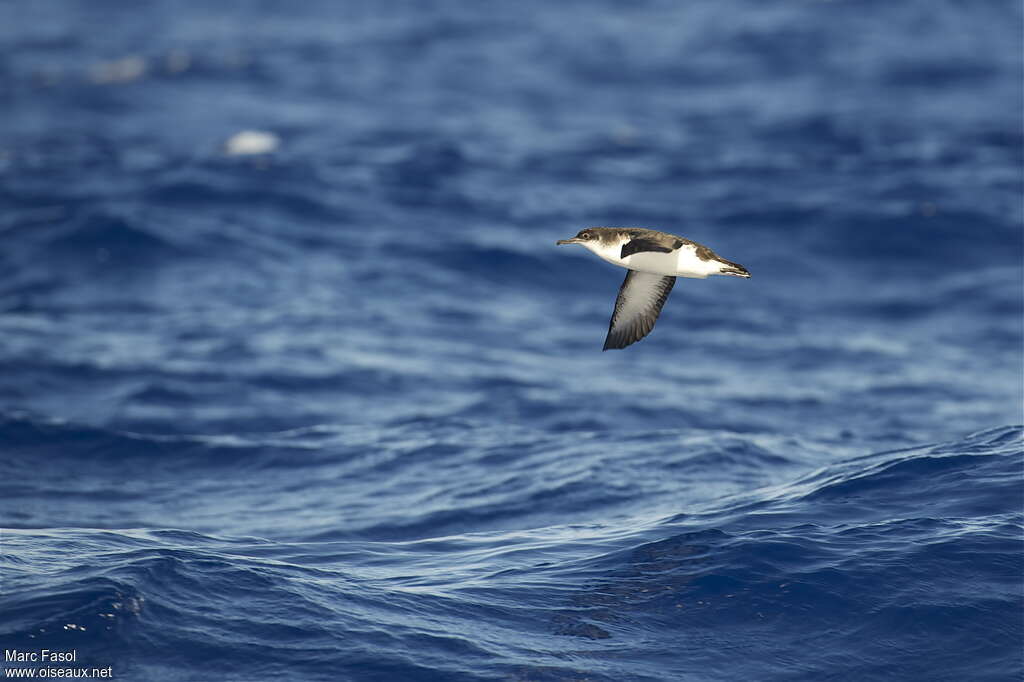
[872,557]
[338,409]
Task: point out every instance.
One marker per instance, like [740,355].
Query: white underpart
[638,299]
[680,263]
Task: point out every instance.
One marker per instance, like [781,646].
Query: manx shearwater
[654,260]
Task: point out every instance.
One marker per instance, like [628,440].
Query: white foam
[119,71]
[249,142]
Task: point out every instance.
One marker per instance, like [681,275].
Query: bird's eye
[585,235]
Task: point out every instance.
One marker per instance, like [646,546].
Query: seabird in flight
[654,260]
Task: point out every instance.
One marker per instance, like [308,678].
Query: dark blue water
[338,410]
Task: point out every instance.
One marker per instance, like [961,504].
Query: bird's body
[654,260]
[657,253]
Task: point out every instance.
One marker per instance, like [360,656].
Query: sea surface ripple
[323,401]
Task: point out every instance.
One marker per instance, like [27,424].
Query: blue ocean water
[338,410]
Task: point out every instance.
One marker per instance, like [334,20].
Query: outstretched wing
[641,297]
[640,245]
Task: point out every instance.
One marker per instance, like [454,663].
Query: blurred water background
[323,401]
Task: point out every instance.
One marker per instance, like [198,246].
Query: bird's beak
[572,240]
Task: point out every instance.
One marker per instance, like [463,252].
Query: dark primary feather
[637,307]
[641,245]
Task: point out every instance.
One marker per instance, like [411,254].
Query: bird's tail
[734,269]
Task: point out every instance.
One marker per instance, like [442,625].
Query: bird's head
[588,237]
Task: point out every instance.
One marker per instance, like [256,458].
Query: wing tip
[619,343]
[642,323]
